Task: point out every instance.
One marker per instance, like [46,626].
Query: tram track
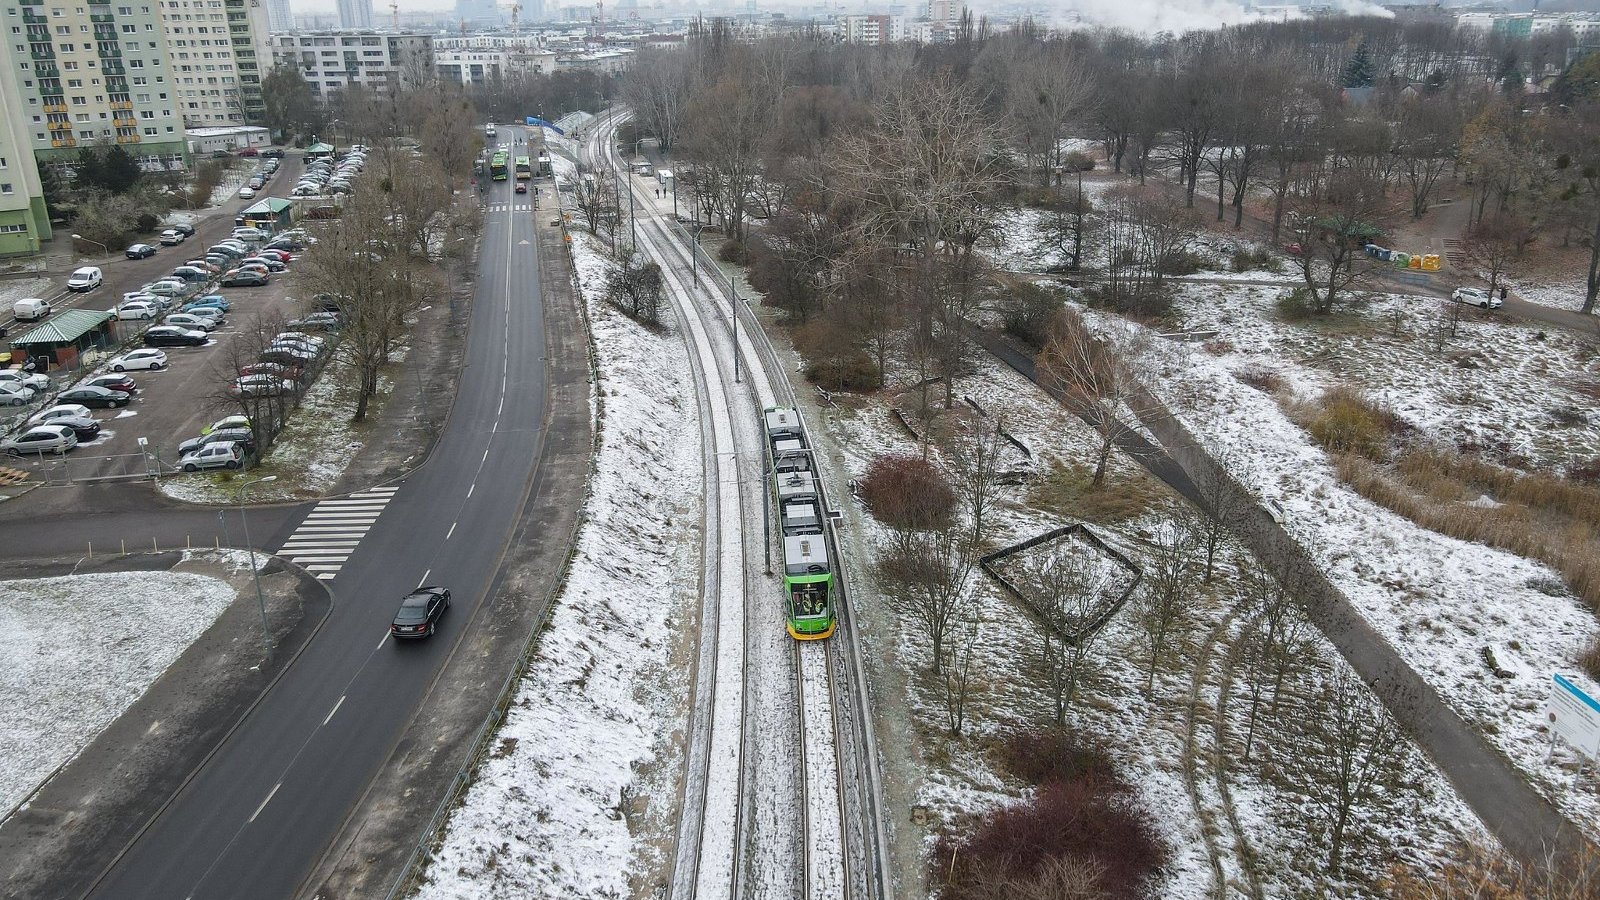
[840,841]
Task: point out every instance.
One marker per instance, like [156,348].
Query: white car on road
[85,279]
[137,309]
[14,394]
[140,359]
[1477,297]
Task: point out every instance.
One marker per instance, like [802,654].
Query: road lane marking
[334,710]
[424,578]
[470,488]
[451,531]
[380,642]
[265,802]
[485,456]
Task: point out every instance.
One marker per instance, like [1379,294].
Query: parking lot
[173,404]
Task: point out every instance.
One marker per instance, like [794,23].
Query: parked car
[420,611]
[215,455]
[165,288]
[60,411]
[112,382]
[139,251]
[219,261]
[36,380]
[13,394]
[205,265]
[241,436]
[139,359]
[247,193]
[200,306]
[173,336]
[300,348]
[229,250]
[56,439]
[1477,297]
[183,228]
[248,151]
[255,184]
[30,309]
[272,263]
[192,321]
[293,373]
[85,279]
[95,397]
[282,256]
[137,309]
[287,356]
[191,274]
[318,321]
[225,423]
[172,237]
[301,337]
[244,278]
[261,385]
[272,153]
[247,233]
[83,428]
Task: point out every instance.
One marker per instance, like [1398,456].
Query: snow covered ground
[1559,294]
[960,779]
[579,790]
[1440,601]
[78,650]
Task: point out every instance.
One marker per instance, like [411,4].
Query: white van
[85,279]
[31,309]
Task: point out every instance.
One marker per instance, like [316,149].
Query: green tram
[808,586]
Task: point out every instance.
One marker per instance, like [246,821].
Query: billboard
[1574,716]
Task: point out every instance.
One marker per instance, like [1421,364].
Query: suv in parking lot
[214,455]
[41,439]
[173,336]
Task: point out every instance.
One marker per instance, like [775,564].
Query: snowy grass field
[581,786]
[80,649]
[1441,602]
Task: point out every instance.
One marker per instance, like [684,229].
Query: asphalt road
[258,816]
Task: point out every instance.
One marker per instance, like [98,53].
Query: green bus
[524,169]
[497,166]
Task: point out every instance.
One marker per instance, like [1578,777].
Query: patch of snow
[80,649]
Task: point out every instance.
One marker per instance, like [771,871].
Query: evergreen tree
[1580,82]
[1360,71]
[88,173]
[119,170]
[52,187]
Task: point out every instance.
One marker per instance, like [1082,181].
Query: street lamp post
[694,254]
[255,572]
[79,237]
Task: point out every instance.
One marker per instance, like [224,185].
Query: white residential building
[355,14]
[24,221]
[333,60]
[220,51]
[280,17]
[871,30]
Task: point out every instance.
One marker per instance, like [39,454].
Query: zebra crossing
[509,207]
[324,541]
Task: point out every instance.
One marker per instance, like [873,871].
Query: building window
[13,229]
[5,187]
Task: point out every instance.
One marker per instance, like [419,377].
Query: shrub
[1263,379]
[1296,305]
[1051,755]
[833,360]
[1079,823]
[733,251]
[908,492]
[1039,197]
[1026,310]
[1586,472]
[1183,262]
[1349,423]
[1077,161]
[1255,260]
[1589,659]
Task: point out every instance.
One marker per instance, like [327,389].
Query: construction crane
[600,21]
[516,13]
[394,14]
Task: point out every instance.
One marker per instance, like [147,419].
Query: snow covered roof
[805,555]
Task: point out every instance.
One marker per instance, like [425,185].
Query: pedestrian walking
[1502,295]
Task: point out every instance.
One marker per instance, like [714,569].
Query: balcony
[58,126]
[42,54]
[55,107]
[102,18]
[29,18]
[122,104]
[64,142]
[109,51]
[46,70]
[112,67]
[125,138]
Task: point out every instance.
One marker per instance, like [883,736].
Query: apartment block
[333,60]
[24,221]
[355,14]
[280,17]
[482,58]
[88,70]
[220,51]
[870,29]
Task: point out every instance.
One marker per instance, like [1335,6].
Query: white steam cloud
[1150,16]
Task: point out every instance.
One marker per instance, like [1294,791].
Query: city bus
[497,166]
[524,169]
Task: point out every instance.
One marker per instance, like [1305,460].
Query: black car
[95,397]
[140,251]
[183,229]
[113,382]
[172,336]
[241,436]
[85,428]
[272,153]
[420,612]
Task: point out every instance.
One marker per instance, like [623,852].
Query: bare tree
[1493,245]
[635,287]
[1332,225]
[1068,592]
[595,199]
[1165,608]
[1095,383]
[1349,749]
[1277,644]
[973,454]
[955,682]
[1426,141]
[1051,86]
[928,573]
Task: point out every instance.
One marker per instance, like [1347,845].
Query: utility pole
[633,218]
[735,308]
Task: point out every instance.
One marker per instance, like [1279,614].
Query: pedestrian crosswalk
[513,207]
[327,537]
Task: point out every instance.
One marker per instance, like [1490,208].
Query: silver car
[56,439]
